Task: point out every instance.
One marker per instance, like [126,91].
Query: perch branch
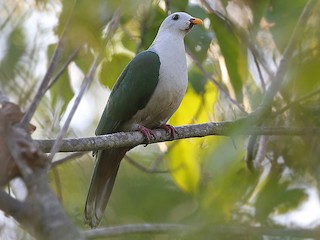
[125,139]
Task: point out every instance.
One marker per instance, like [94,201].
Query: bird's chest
[173,80]
[171,88]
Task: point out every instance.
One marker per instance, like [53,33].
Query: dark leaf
[234,53]
[277,195]
[150,25]
[197,80]
[15,50]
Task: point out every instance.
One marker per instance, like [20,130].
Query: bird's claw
[147,133]
[170,129]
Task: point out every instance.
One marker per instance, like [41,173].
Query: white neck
[168,42]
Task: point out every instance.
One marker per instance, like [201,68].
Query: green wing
[131,92]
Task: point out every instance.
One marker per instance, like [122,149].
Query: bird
[147,93]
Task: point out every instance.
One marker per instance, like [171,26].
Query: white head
[179,22]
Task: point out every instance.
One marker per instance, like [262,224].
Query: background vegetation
[244,47]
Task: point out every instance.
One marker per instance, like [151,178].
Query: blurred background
[232,60]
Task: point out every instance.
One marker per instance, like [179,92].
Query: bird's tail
[102,181]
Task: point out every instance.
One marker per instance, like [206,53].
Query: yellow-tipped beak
[196,21]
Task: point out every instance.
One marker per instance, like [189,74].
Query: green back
[131,92]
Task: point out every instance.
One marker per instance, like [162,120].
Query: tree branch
[40,213]
[126,139]
[135,228]
[235,231]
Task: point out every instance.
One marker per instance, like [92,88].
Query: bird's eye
[175,17]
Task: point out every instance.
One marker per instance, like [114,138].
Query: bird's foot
[170,129]
[147,133]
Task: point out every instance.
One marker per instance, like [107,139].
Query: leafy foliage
[207,181]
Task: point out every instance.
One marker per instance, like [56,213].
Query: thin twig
[47,77]
[71,156]
[85,83]
[243,36]
[215,82]
[264,108]
[299,100]
[284,63]
[43,86]
[168,6]
[64,67]
[143,168]
[263,83]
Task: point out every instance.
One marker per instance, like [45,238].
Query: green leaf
[184,165]
[276,195]
[15,50]
[61,93]
[227,183]
[129,43]
[179,6]
[234,53]
[86,20]
[198,40]
[196,11]
[150,25]
[197,80]
[303,80]
[258,8]
[185,155]
[284,16]
[112,69]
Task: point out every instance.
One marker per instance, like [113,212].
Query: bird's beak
[196,21]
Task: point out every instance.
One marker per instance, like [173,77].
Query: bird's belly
[163,103]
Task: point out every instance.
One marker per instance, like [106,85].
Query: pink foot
[170,129]
[147,133]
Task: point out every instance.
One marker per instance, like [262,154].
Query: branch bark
[126,139]
[235,231]
[135,228]
[40,213]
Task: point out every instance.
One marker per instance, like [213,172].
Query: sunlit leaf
[112,69]
[185,166]
[61,93]
[129,43]
[185,155]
